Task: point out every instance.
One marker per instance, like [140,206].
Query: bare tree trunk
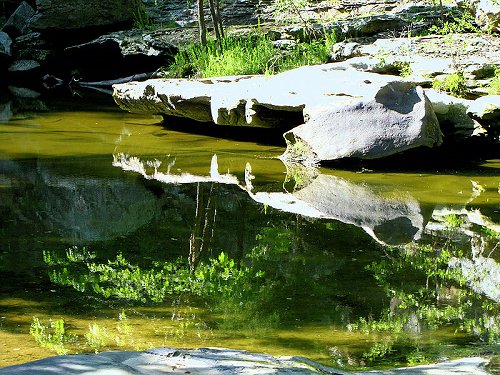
[219,18]
[201,23]
[214,18]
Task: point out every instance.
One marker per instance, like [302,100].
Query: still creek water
[113,225]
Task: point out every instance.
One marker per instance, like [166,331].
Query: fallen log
[108,83]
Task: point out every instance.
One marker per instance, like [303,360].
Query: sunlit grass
[252,54]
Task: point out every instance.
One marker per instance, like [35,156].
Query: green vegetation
[453,220]
[51,335]
[453,84]
[289,11]
[141,18]
[252,54]
[120,279]
[434,296]
[494,86]
[54,336]
[464,23]
[269,286]
[404,68]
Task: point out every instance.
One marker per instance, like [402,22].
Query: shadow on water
[459,157]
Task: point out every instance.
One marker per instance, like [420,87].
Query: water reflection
[389,220]
[79,209]
[119,234]
[391,215]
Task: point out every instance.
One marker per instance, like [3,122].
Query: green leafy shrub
[464,23]
[453,84]
[121,279]
[141,18]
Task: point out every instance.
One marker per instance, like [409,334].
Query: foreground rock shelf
[213,361]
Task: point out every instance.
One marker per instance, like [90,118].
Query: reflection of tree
[120,279]
[426,294]
[286,282]
[203,229]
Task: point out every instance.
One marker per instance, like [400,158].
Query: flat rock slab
[347,113]
[283,100]
[211,361]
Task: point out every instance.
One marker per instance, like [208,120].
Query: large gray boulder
[283,100]
[5,46]
[237,101]
[81,14]
[19,20]
[398,118]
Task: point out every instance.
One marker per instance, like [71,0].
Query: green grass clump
[141,18]
[494,86]
[252,54]
[453,84]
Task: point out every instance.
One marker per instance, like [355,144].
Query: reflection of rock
[482,234]
[482,275]
[464,223]
[83,209]
[388,219]
[150,171]
[5,111]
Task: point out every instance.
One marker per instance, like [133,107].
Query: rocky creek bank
[214,361]
[378,96]
[373,100]
[355,107]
